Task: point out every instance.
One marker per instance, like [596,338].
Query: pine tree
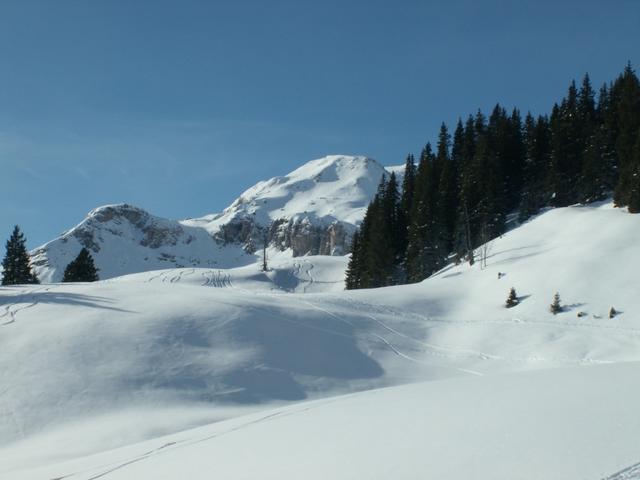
[592,180]
[16,267]
[82,269]
[633,198]
[447,195]
[626,108]
[512,299]
[424,254]
[536,161]
[607,124]
[464,147]
[406,202]
[555,306]
[354,268]
[567,149]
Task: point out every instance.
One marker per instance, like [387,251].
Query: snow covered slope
[308,274]
[97,366]
[336,188]
[563,424]
[313,210]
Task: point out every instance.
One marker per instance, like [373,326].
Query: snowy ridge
[317,208]
[124,239]
[322,191]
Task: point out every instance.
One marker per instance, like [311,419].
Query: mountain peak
[324,190]
[315,209]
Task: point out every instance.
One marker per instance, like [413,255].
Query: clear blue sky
[178,106]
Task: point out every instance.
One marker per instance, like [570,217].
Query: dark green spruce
[82,269]
[16,267]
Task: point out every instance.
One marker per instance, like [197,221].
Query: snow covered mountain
[139,358]
[313,210]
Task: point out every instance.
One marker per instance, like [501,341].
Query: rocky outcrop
[300,235]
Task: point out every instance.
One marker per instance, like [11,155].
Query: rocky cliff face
[314,210]
[301,236]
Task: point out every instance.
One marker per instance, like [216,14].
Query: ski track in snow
[308,273]
[170,446]
[217,279]
[11,309]
[446,351]
[629,473]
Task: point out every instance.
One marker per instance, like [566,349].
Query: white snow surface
[562,424]
[107,380]
[126,239]
[323,191]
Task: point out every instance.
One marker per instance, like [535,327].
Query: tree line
[17,268]
[492,169]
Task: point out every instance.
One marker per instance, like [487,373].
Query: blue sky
[178,106]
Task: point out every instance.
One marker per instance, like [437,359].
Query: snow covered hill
[109,364]
[312,210]
[562,424]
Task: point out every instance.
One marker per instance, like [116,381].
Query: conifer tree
[423,252]
[81,269]
[607,125]
[626,109]
[354,267]
[555,306]
[16,267]
[537,149]
[406,203]
[447,195]
[464,146]
[512,299]
[634,180]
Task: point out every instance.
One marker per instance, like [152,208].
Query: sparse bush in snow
[613,312]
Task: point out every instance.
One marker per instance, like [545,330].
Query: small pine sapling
[512,299]
[613,312]
[555,306]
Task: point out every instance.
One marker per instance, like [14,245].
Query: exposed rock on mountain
[313,210]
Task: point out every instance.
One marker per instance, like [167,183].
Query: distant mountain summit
[313,210]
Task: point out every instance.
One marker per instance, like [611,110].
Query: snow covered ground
[109,379]
[561,424]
